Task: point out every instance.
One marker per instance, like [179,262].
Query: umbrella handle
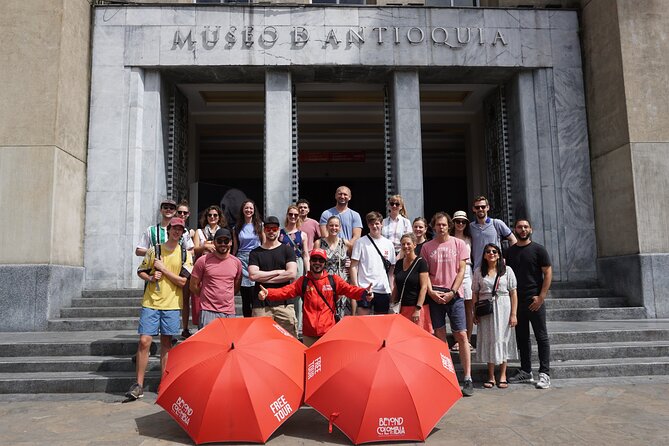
[333,416]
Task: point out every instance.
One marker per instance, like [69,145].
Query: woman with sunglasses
[495,344]
[396,224]
[460,229]
[212,220]
[296,239]
[337,261]
[191,302]
[411,284]
[248,235]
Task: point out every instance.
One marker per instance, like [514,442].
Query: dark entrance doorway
[341,142]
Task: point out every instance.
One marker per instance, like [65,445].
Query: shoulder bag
[484,307]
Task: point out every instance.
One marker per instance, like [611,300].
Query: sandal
[456,347]
[489,384]
[503,384]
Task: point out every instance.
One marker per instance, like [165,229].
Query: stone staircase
[90,347]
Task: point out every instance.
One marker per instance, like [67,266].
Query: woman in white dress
[495,344]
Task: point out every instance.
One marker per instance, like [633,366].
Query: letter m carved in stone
[179,40]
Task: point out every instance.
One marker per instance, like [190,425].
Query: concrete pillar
[406,139]
[278,142]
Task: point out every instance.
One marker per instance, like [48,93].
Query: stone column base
[642,278]
[30,295]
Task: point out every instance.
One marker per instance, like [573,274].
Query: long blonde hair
[398,198]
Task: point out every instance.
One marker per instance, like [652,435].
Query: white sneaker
[544,381]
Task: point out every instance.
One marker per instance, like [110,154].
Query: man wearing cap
[486,230]
[318,293]
[156,234]
[165,269]
[273,265]
[216,278]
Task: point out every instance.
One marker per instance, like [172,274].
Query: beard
[521,237]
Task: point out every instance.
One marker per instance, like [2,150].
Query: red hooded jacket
[317,318]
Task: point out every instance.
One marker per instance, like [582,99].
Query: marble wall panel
[142,45]
[213,17]
[472,17]
[565,48]
[450,18]
[500,55]
[149,16]
[581,256]
[110,16]
[563,20]
[108,46]
[178,15]
[535,48]
[501,18]
[534,19]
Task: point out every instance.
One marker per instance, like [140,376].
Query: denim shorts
[454,309]
[165,322]
[380,303]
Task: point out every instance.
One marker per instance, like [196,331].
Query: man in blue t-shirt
[486,230]
[351,223]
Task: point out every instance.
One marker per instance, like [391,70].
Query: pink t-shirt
[312,229]
[444,260]
[218,282]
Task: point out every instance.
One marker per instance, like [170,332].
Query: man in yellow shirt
[165,269]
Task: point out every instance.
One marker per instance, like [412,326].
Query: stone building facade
[551,108]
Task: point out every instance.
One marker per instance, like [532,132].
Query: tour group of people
[308,274]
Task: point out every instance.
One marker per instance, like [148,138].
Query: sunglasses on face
[168,207]
[491,251]
[293,215]
[222,241]
[212,215]
[395,204]
[183,212]
[481,207]
[459,222]
[317,260]
[271,228]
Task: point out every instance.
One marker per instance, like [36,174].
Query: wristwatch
[419,307]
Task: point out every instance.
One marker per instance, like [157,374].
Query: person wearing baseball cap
[319,291]
[157,234]
[165,269]
[216,278]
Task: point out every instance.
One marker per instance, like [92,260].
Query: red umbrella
[381,378]
[236,380]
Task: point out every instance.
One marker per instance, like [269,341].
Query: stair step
[87,324]
[609,350]
[595,314]
[580,292]
[592,368]
[112,294]
[33,364]
[73,382]
[100,312]
[80,343]
[571,285]
[605,336]
[80,302]
[585,302]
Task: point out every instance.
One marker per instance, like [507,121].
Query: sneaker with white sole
[136,392]
[521,377]
[544,381]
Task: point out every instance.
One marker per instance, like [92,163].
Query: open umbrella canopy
[381,378]
[237,379]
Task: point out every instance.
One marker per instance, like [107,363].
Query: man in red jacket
[319,298]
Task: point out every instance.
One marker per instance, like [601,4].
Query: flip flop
[489,384]
[503,384]
[455,348]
